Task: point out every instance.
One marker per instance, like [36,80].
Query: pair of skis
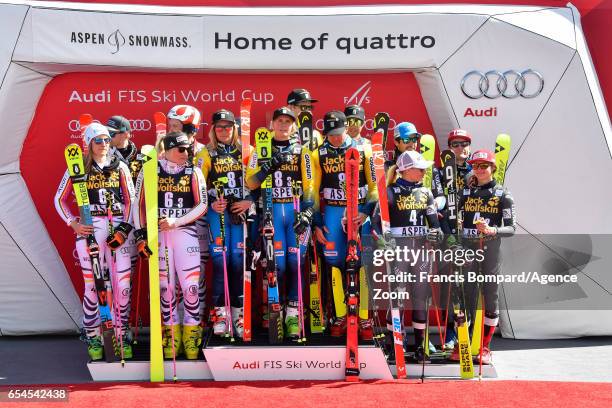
[275,325]
[307,139]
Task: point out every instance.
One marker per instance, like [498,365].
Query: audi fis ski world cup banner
[518,70]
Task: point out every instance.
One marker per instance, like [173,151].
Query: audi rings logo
[138,125]
[509,84]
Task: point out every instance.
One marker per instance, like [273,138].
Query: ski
[219,190]
[245,140]
[378,156]
[85,120]
[149,168]
[304,123]
[466,366]
[306,138]
[351,168]
[381,123]
[76,169]
[159,118]
[502,155]
[428,150]
[264,153]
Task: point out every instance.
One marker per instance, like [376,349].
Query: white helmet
[188,115]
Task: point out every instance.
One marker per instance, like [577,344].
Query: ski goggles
[464,143]
[413,139]
[100,140]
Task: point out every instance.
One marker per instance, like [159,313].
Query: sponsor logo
[509,84]
[360,96]
[116,40]
[487,113]
[193,250]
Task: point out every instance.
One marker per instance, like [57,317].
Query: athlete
[459,141]
[288,166]
[108,178]
[488,214]
[222,166]
[328,184]
[187,119]
[355,116]
[182,199]
[414,223]
[299,100]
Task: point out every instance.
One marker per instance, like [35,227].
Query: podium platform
[320,358]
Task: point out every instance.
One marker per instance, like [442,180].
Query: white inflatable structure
[525,71]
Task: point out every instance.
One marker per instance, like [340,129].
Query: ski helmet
[188,115]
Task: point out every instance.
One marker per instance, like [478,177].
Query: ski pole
[171,287]
[114,279]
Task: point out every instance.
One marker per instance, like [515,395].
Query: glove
[119,236]
[303,220]
[434,235]
[141,243]
[451,240]
[237,219]
[278,158]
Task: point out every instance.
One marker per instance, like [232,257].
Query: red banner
[137,95]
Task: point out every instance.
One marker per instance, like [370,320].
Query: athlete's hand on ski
[166,224]
[81,229]
[482,225]
[320,236]
[240,207]
[358,220]
[219,205]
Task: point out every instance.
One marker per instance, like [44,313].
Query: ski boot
[167,340]
[94,344]
[127,344]
[487,356]
[238,321]
[219,318]
[292,321]
[338,328]
[420,356]
[366,329]
[192,339]
[450,339]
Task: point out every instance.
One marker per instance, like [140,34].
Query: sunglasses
[182,149]
[223,127]
[355,122]
[305,108]
[408,139]
[460,144]
[481,166]
[100,140]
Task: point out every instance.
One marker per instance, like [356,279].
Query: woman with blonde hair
[222,166]
[109,184]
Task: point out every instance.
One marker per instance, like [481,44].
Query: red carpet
[434,393]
